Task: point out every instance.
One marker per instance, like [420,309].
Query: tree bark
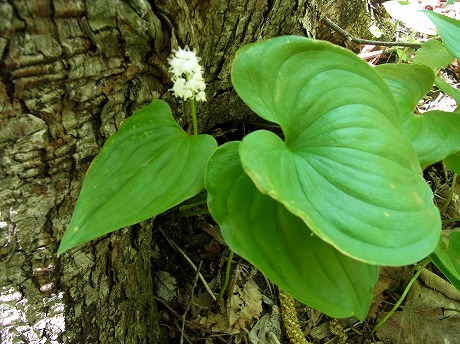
[70,73]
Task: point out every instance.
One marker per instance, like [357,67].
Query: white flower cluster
[187,75]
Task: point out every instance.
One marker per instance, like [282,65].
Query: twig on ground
[356,40]
[184,335]
[173,244]
[177,315]
[190,324]
[450,196]
[184,316]
[163,302]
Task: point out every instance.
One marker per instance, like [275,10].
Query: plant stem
[348,36]
[191,205]
[227,277]
[193,108]
[451,194]
[420,268]
[192,213]
[455,219]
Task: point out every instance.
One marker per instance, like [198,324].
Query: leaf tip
[68,241]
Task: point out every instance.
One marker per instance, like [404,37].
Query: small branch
[163,302]
[451,194]
[173,244]
[184,335]
[356,40]
[184,316]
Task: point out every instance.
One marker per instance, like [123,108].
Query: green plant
[317,212]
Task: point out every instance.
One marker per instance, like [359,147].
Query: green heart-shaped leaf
[449,30]
[446,257]
[346,168]
[434,134]
[433,54]
[145,168]
[278,243]
[408,83]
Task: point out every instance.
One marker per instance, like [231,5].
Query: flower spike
[187,75]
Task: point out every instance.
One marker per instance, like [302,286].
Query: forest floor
[194,257]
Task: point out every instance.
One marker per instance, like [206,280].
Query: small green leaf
[145,168]
[449,30]
[433,54]
[434,134]
[346,168]
[279,244]
[453,162]
[446,257]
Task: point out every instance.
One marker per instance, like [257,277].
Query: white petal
[201,96]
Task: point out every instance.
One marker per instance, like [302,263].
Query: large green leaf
[449,30]
[278,243]
[447,257]
[346,166]
[434,134]
[145,168]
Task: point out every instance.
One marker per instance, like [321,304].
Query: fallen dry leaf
[268,325]
[388,277]
[165,285]
[426,318]
[245,305]
[440,284]
[244,308]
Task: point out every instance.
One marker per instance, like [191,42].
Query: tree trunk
[70,73]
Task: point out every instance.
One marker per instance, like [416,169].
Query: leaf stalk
[419,268]
[194,121]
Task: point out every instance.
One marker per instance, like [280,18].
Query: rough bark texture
[71,71]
